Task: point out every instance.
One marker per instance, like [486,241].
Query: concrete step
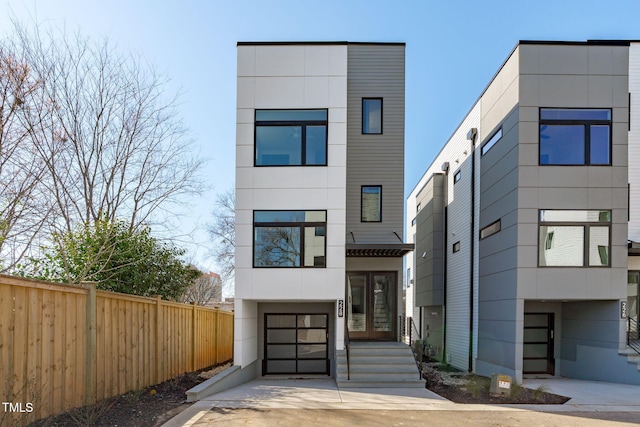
[383,384]
[378,364]
[405,368]
[632,356]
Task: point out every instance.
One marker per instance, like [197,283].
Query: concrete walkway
[270,393]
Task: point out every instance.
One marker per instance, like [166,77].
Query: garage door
[296,344]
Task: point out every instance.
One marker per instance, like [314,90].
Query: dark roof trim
[378,250]
[579,43]
[321,43]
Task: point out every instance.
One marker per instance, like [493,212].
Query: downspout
[444,274]
[471,136]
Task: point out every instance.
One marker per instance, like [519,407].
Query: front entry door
[371,299]
[538,344]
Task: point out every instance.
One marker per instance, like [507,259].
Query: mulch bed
[461,387]
[150,407]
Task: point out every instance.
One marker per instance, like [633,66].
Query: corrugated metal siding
[459,228]
[376,71]
[634,142]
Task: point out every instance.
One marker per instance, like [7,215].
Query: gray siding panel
[376,71]
[429,274]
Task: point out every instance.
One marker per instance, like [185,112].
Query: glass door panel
[538,344]
[383,313]
[371,305]
[357,303]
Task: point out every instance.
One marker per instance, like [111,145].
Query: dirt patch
[463,387]
[149,407]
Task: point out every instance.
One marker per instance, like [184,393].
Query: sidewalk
[268,393]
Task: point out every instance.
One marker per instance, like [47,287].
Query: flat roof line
[297,43]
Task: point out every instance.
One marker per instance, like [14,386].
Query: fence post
[91,326]
[193,337]
[217,335]
[159,335]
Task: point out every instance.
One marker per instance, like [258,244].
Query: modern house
[525,223]
[319,203]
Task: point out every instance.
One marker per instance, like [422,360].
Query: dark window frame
[586,236]
[303,124]
[488,230]
[381,115]
[587,123]
[493,140]
[457,176]
[297,344]
[299,224]
[362,187]
[456,247]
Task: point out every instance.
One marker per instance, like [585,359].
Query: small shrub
[539,392]
[516,389]
[89,415]
[133,396]
[476,386]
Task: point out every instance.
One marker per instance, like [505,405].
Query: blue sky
[453,49]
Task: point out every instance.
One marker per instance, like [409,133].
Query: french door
[371,305]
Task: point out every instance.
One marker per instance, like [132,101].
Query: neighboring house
[319,202]
[522,226]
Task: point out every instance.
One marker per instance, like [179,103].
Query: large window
[371,203]
[291,138]
[574,238]
[575,136]
[372,116]
[289,238]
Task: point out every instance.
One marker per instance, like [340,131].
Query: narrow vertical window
[372,116]
[371,203]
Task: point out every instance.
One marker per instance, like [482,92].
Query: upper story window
[490,229]
[291,138]
[574,238]
[575,136]
[371,203]
[457,177]
[491,142]
[289,238]
[372,116]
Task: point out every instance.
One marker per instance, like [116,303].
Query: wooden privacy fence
[63,346]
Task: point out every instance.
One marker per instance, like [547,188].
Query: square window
[574,238]
[289,239]
[372,116]
[371,203]
[456,247]
[290,137]
[575,136]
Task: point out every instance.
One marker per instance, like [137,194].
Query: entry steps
[378,365]
[632,356]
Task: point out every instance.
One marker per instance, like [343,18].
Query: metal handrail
[633,334]
[417,353]
[347,345]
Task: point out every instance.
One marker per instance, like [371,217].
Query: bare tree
[111,144]
[206,288]
[87,134]
[223,232]
[21,214]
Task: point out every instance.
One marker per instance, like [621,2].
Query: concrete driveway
[265,395]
